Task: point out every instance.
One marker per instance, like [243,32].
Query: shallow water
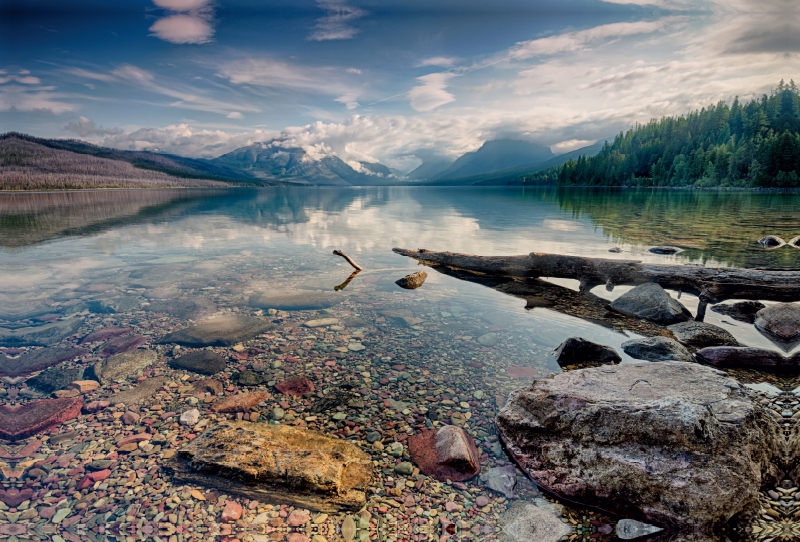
[156,260]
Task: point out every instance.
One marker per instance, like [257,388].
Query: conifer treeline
[756,144]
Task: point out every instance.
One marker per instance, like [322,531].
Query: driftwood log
[710,284]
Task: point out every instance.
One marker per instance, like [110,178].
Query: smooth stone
[577,350]
[459,460]
[120,366]
[314,471]
[743,311]
[143,391]
[356,347]
[84,386]
[121,345]
[190,417]
[322,322]
[105,334]
[242,402]
[37,360]
[22,421]
[584,435]
[45,335]
[204,362]
[55,378]
[412,281]
[222,331]
[780,322]
[733,357]
[701,334]
[295,386]
[524,522]
[249,378]
[405,468]
[628,529]
[651,302]
[501,479]
[209,385]
[297,301]
[657,349]
[488,339]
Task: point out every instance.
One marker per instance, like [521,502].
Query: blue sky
[378,80]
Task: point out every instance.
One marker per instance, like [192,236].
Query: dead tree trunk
[710,284]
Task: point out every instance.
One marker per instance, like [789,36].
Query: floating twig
[343,285]
[349,260]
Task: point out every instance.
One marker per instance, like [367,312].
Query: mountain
[496,155]
[294,165]
[27,163]
[429,169]
[756,144]
[178,166]
[515,175]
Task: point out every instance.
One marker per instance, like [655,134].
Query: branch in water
[349,260]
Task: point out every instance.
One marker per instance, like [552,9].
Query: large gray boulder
[701,334]
[651,302]
[657,349]
[678,445]
[781,323]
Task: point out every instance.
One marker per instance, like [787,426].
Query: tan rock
[278,464]
[239,403]
[322,322]
[120,366]
[84,386]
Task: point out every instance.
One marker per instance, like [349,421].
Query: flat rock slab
[46,335]
[657,349]
[780,322]
[37,360]
[202,362]
[701,334]
[239,403]
[651,302]
[731,357]
[297,301]
[106,334]
[577,350]
[122,344]
[524,522]
[422,448]
[295,386]
[277,464]
[322,322]
[224,331]
[743,311]
[143,391]
[55,378]
[120,366]
[673,444]
[26,420]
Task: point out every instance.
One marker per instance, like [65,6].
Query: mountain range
[28,162]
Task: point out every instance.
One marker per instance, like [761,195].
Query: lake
[157,260]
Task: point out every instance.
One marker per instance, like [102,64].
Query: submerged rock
[296,386]
[732,357]
[771,241]
[524,522]
[657,349]
[448,453]
[121,345]
[780,322]
[501,479]
[223,331]
[651,302]
[297,301]
[277,464]
[45,335]
[743,311]
[36,360]
[21,421]
[120,366]
[674,444]
[577,350]
[204,362]
[628,529]
[55,378]
[412,281]
[664,250]
[700,334]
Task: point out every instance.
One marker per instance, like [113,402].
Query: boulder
[732,357]
[209,385]
[22,421]
[295,301]
[678,444]
[771,241]
[142,392]
[45,335]
[701,334]
[55,378]
[120,366]
[524,522]
[780,323]
[488,339]
[657,349]
[277,464]
[121,344]
[223,331]
[37,360]
[576,350]
[296,386]
[412,281]
[743,311]
[448,453]
[651,302]
[204,362]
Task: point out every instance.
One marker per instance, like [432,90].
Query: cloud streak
[337,23]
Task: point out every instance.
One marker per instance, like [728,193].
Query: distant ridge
[496,155]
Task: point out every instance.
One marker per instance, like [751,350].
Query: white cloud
[571,145]
[183,29]
[441,61]
[234,115]
[24,92]
[184,140]
[335,25]
[86,127]
[432,93]
[355,71]
[182,5]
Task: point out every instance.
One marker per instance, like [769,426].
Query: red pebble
[231,512]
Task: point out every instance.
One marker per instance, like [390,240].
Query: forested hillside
[755,144]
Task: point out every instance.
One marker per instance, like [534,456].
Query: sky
[396,82]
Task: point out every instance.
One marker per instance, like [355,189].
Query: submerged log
[710,284]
